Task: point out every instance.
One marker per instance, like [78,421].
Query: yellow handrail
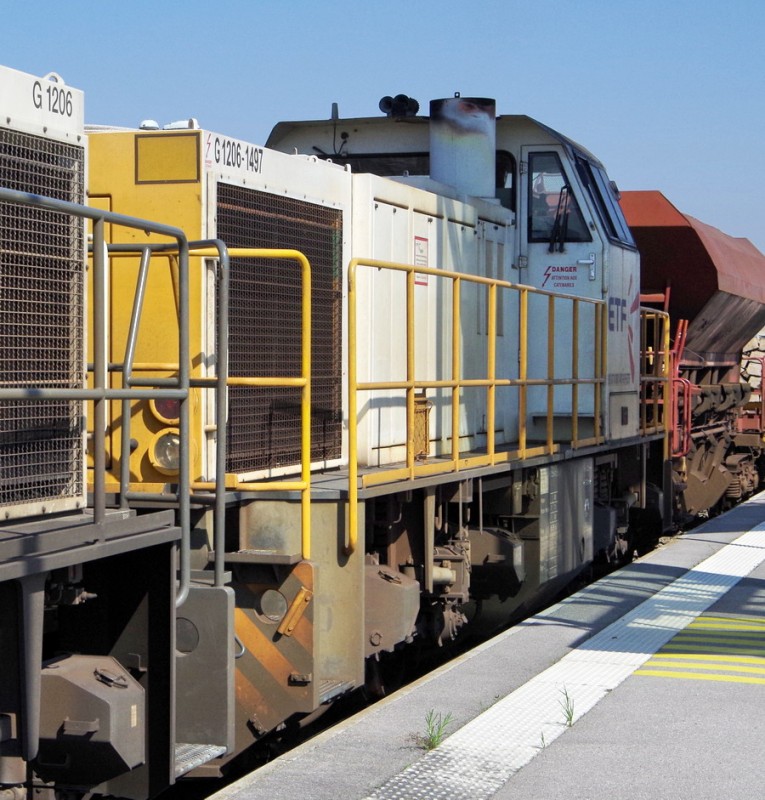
[232,481]
[303,485]
[655,384]
[455,461]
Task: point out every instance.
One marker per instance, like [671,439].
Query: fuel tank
[715,281]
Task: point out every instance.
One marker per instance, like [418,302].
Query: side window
[506,179]
[605,198]
[554,214]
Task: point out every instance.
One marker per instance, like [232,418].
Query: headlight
[165,409]
[165,451]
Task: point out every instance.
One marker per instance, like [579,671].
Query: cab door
[561,248]
[562,252]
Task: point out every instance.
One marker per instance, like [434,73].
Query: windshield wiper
[560,226]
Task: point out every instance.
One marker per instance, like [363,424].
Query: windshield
[554,213]
[605,198]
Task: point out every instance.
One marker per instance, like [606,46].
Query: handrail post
[491,372]
[667,372]
[184,426]
[523,371]
[99,371]
[601,369]
[353,457]
[410,373]
[221,415]
[575,373]
[549,431]
[305,409]
[456,368]
[127,371]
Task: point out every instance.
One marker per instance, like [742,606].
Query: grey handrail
[100,393]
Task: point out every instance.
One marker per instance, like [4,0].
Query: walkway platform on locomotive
[649,683]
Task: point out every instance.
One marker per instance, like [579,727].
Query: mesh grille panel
[41,321]
[264,327]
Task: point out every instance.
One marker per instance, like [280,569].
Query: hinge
[295,611]
[523,167]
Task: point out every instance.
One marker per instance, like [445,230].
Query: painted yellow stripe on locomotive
[261,646]
[303,634]
[254,697]
[282,654]
[265,694]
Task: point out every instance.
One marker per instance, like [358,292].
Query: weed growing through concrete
[567,704]
[435,729]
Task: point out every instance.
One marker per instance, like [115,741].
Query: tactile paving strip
[479,758]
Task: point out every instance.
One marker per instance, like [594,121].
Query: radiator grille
[41,322]
[264,327]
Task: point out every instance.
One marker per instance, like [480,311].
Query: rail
[454,460]
[100,393]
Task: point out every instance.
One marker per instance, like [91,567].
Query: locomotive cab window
[554,213]
[506,179]
[605,198]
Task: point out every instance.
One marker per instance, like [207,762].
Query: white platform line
[479,758]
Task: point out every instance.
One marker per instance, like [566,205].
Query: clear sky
[669,94]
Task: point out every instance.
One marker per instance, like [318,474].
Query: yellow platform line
[718,659]
[756,630]
[696,676]
[717,639]
[716,665]
[758,622]
[738,650]
[712,648]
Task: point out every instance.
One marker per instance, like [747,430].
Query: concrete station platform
[647,684]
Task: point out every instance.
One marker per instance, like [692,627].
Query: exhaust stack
[463,138]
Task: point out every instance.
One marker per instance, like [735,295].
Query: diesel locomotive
[273,417]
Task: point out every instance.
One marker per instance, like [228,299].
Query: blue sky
[669,94]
